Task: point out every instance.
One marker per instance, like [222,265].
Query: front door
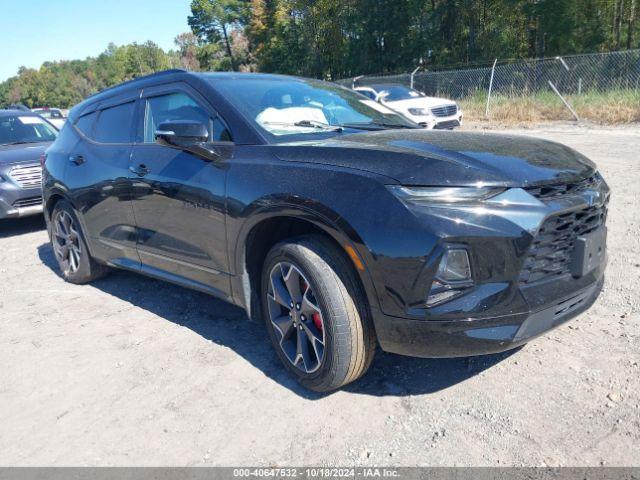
[179,198]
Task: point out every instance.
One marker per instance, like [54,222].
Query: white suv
[430,112]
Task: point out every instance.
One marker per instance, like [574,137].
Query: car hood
[419,102]
[23,153]
[427,157]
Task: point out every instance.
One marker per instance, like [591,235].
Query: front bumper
[523,281]
[16,202]
[461,338]
[438,123]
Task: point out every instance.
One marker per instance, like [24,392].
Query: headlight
[432,195]
[421,112]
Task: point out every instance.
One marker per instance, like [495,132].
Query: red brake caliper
[317,321]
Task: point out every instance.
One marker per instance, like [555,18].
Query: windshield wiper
[308,124]
[395,125]
[20,142]
[376,126]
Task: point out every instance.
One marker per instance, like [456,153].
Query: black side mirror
[189,136]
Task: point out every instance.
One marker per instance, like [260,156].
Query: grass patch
[608,108]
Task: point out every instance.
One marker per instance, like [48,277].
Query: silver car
[24,137]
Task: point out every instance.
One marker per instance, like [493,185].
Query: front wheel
[316,313]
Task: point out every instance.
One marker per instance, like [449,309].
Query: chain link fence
[572,76]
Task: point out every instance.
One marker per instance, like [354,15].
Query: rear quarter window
[86,123]
[66,136]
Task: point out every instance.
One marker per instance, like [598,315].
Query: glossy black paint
[199,221]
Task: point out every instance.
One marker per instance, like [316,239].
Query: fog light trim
[454,267]
[453,277]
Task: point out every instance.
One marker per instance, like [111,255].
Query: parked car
[341,224]
[429,112]
[24,137]
[18,106]
[53,115]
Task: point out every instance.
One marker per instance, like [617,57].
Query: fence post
[564,101]
[493,71]
[564,64]
[414,73]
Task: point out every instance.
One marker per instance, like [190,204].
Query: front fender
[320,217]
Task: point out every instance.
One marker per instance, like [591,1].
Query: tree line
[334,39]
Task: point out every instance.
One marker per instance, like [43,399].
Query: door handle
[141,170]
[77,159]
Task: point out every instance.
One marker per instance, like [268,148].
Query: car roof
[168,76]
[382,86]
[13,113]
[152,79]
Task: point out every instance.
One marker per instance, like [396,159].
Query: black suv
[340,223]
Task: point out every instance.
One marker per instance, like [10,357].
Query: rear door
[178,197]
[97,176]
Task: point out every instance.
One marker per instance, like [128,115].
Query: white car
[53,115]
[430,112]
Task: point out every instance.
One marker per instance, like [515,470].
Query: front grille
[445,110]
[550,253]
[28,202]
[447,125]
[547,192]
[27,176]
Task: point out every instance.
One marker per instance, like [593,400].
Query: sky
[35,31]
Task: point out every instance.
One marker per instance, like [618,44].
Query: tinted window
[180,106]
[174,106]
[25,129]
[85,124]
[49,113]
[114,124]
[294,106]
[398,92]
[221,132]
[367,93]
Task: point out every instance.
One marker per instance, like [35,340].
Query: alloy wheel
[66,242]
[296,317]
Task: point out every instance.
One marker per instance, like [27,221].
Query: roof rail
[137,79]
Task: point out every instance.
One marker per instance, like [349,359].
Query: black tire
[75,266]
[348,333]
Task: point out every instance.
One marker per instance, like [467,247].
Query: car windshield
[285,107]
[25,129]
[394,93]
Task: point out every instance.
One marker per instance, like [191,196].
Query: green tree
[214,20]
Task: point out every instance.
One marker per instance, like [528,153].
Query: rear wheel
[70,248]
[316,314]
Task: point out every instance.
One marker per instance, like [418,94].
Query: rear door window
[114,124]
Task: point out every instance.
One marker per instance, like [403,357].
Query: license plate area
[589,252]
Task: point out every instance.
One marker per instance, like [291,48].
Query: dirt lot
[131,371]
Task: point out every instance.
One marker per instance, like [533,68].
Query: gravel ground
[131,371]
